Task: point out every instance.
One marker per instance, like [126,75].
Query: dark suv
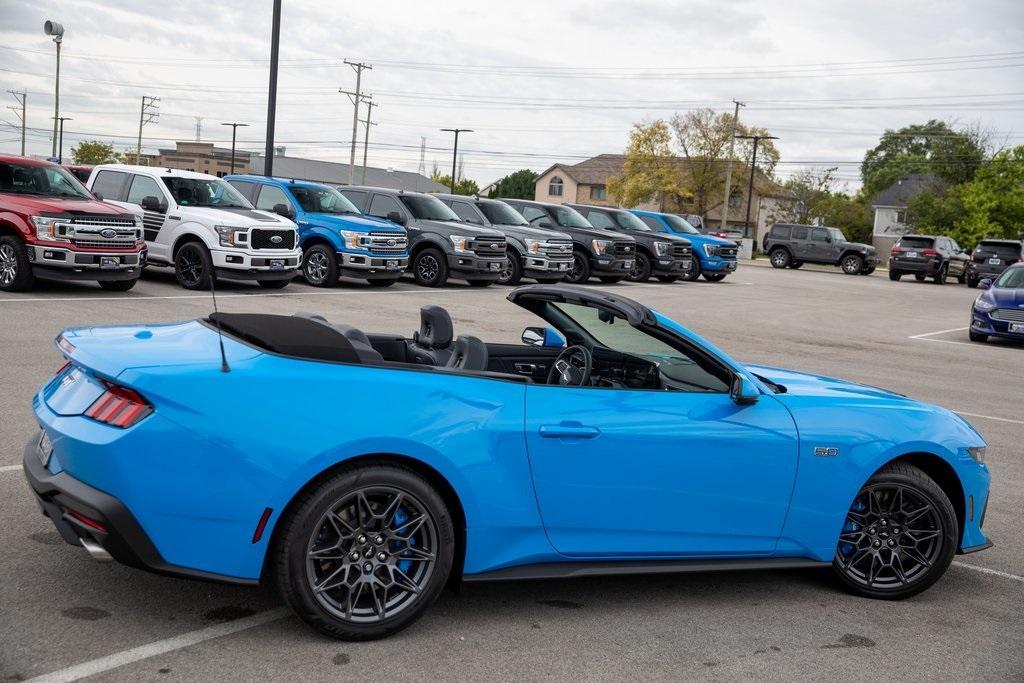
[927,256]
[791,246]
[543,255]
[440,245]
[603,254]
[667,257]
[991,258]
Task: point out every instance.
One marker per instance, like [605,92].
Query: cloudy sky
[539,82]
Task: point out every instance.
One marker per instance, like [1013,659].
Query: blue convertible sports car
[362,472]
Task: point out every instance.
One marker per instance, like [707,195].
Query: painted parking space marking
[206,295]
[135,654]
[930,337]
[926,335]
[10,468]
[992,572]
[990,417]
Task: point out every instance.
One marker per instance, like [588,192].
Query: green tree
[811,189]
[462,185]
[934,147]
[850,213]
[652,170]
[518,185]
[92,152]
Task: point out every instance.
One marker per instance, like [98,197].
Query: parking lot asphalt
[62,613]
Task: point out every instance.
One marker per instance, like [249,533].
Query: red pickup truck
[51,227]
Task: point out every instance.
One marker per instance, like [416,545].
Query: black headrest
[435,327]
[468,353]
[288,335]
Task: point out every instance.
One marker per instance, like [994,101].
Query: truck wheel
[779,258]
[579,272]
[193,266]
[15,270]
[117,285]
[919,277]
[972,282]
[852,264]
[641,269]
[512,272]
[381,283]
[273,284]
[430,268]
[694,271]
[714,277]
[320,266]
[895,275]
[940,277]
[364,553]
[610,279]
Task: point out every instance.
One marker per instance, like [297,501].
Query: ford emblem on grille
[276,239]
[392,243]
[495,246]
[108,233]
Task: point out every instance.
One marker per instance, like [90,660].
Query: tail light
[896,250]
[929,252]
[119,407]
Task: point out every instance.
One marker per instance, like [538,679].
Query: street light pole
[55,29]
[455,149]
[275,45]
[234,129]
[60,147]
[753,166]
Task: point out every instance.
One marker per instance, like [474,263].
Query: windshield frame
[80,191]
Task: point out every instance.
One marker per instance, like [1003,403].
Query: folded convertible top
[288,335]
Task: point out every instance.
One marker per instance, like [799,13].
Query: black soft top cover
[288,335]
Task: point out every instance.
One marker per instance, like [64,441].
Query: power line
[356,98]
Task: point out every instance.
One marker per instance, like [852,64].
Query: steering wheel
[572,367]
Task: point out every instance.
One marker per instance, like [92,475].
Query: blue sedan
[999,311]
[362,472]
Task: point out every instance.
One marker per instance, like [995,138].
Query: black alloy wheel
[779,258]
[899,537]
[940,277]
[193,266]
[430,269]
[641,270]
[579,271]
[972,282]
[977,336]
[694,273]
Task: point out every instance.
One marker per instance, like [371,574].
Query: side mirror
[985,284]
[544,223]
[543,336]
[151,203]
[284,210]
[743,392]
[396,217]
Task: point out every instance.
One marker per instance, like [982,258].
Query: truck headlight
[982,304]
[354,240]
[978,453]
[461,243]
[534,246]
[662,248]
[601,247]
[710,250]
[52,229]
[228,235]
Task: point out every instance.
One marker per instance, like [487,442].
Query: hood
[531,232]
[457,228]
[807,384]
[35,204]
[1004,297]
[664,236]
[243,218]
[859,246]
[352,220]
[601,234]
[701,238]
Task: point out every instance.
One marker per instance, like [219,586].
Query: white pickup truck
[202,226]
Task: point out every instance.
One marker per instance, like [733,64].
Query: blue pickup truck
[335,238]
[713,257]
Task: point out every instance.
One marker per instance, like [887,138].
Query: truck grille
[727,252]
[264,239]
[489,246]
[558,250]
[681,250]
[104,221]
[388,243]
[1013,315]
[121,242]
[624,249]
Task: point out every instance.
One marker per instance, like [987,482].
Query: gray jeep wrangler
[791,246]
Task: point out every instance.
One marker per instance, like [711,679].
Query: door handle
[526,368]
[569,430]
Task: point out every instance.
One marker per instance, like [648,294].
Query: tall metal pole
[60,144]
[366,141]
[275,45]
[148,113]
[355,97]
[753,167]
[728,165]
[234,129]
[455,150]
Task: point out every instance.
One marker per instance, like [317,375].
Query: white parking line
[146,297]
[10,468]
[135,654]
[990,417]
[993,572]
[932,334]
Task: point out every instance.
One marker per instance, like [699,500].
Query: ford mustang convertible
[362,472]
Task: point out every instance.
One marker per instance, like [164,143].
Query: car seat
[468,353]
[356,337]
[432,344]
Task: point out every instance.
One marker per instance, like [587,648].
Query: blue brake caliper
[401,517]
[847,548]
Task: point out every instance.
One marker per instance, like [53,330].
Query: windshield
[679,224]
[46,181]
[1012,278]
[322,199]
[428,208]
[628,221]
[571,218]
[205,192]
[500,213]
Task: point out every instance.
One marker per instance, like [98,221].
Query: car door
[819,248]
[653,473]
[154,218]
[800,243]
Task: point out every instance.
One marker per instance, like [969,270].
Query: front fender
[317,232]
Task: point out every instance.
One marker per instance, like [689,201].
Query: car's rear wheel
[977,336]
[899,537]
[117,285]
[779,258]
[15,269]
[579,271]
[641,271]
[972,282]
[895,275]
[193,266]
[852,264]
[430,268]
[961,278]
[365,552]
[320,266]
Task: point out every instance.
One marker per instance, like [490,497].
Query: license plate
[563,266]
[1017,328]
[628,265]
[391,265]
[110,262]
[277,264]
[730,266]
[494,266]
[994,262]
[911,254]
[45,448]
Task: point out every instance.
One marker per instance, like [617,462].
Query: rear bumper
[929,267]
[114,530]
[984,270]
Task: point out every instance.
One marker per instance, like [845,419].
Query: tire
[919,277]
[852,264]
[895,275]
[795,265]
[382,283]
[972,282]
[876,533]
[694,271]
[579,272]
[117,285]
[940,277]
[641,268]
[512,273]
[430,268]
[868,270]
[977,336]
[273,284]
[714,277]
[15,269]
[193,266]
[320,266]
[668,278]
[780,258]
[323,522]
[480,283]
[611,279]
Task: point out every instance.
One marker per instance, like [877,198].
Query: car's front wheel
[899,537]
[512,270]
[779,258]
[977,336]
[429,268]
[852,264]
[364,553]
[641,271]
[320,266]
[15,268]
[193,266]
[579,271]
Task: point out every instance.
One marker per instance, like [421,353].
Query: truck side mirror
[151,203]
[284,210]
[396,217]
[544,223]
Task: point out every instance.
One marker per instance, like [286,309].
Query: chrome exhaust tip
[96,550]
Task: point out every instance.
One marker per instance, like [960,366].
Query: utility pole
[275,48]
[366,142]
[199,127]
[21,97]
[149,113]
[55,29]
[234,130]
[422,170]
[356,97]
[753,167]
[60,137]
[728,165]
[455,150]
